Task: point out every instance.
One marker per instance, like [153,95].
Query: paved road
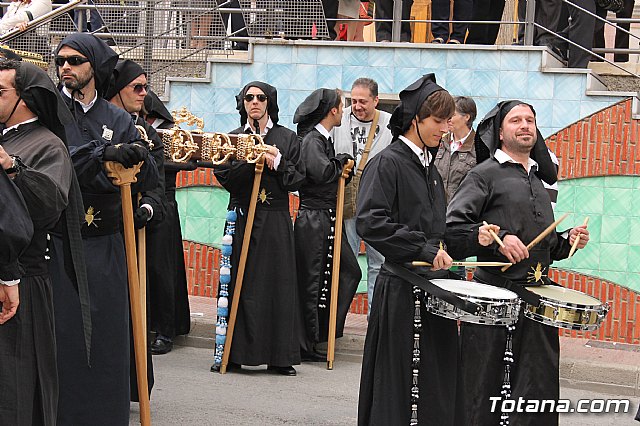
[186,393]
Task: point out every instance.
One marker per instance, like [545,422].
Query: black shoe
[215,368]
[161,346]
[285,371]
[312,356]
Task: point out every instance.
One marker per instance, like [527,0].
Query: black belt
[426,285]
[518,287]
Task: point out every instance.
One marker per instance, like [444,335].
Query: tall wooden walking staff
[142,275]
[242,263]
[123,178]
[335,270]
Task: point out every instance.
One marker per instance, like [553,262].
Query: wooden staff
[421,263]
[335,270]
[574,246]
[142,274]
[123,178]
[542,235]
[242,263]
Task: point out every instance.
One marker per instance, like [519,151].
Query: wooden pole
[335,270]
[242,263]
[542,235]
[123,178]
[142,274]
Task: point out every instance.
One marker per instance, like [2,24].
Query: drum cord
[505,392]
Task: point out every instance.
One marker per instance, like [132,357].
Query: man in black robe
[410,356]
[98,394]
[169,314]
[266,329]
[34,155]
[506,191]
[315,224]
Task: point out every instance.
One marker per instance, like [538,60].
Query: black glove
[140,217]
[127,154]
[343,158]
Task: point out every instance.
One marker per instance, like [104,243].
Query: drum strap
[426,285]
[492,279]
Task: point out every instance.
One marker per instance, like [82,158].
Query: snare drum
[499,306]
[566,308]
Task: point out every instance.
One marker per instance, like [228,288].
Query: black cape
[314,237]
[505,195]
[397,218]
[267,326]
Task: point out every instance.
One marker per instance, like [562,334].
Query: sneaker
[438,40]
[453,41]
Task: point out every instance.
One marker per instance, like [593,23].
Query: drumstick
[421,263]
[574,246]
[542,235]
[494,235]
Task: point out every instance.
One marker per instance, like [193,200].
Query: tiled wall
[488,74]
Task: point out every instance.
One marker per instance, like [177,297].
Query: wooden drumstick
[542,235]
[494,235]
[574,246]
[421,263]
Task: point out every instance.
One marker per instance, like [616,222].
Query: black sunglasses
[139,87]
[72,60]
[249,97]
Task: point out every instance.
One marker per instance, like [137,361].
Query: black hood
[272,101]
[411,99]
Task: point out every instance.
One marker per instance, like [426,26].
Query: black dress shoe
[285,371]
[215,368]
[161,347]
[312,356]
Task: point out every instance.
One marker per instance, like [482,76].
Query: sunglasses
[139,87]
[249,97]
[71,60]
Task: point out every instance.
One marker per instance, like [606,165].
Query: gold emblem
[536,274]
[91,218]
[264,196]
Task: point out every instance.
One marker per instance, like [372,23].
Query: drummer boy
[506,191]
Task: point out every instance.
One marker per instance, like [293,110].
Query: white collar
[463,140]
[85,107]
[424,159]
[324,132]
[15,126]
[503,157]
[263,132]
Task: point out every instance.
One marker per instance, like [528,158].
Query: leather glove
[127,154]
[140,217]
[343,158]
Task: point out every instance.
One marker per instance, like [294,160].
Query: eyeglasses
[72,60]
[249,97]
[4,90]
[139,87]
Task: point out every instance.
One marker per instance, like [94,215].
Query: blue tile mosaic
[355,55]
[384,77]
[484,60]
[303,77]
[459,59]
[304,55]
[565,113]
[227,122]
[544,112]
[224,100]
[540,85]
[569,87]
[350,73]
[485,84]
[283,100]
[330,76]
[255,72]
[201,100]
[295,98]
[484,105]
[180,95]
[435,59]
[259,53]
[404,58]
[228,75]
[513,84]
[405,76]
[279,54]
[280,75]
[534,61]
[381,57]
[329,56]
[514,60]
[460,82]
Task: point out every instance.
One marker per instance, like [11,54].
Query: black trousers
[237,22]
[580,30]
[384,10]
[547,14]
[331,13]
[485,10]
[462,11]
[622,38]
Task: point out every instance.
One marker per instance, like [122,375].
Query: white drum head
[566,295]
[474,289]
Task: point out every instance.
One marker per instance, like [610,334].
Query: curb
[576,373]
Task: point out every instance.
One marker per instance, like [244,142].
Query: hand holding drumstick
[578,237]
[512,248]
[487,234]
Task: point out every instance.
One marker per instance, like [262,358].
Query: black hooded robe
[397,217]
[314,231]
[505,195]
[98,394]
[29,375]
[267,325]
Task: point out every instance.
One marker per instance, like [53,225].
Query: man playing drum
[506,191]
[410,356]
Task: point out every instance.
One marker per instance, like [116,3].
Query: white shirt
[85,107]
[324,132]
[15,126]
[455,145]
[263,133]
[503,157]
[425,159]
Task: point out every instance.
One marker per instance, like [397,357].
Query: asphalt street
[187,393]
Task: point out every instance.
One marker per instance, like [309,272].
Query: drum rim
[561,324]
[567,304]
[513,299]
